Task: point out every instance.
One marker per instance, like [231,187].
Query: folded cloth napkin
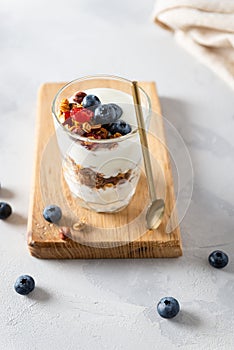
[204,28]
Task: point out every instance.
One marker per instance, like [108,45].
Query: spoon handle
[143,139]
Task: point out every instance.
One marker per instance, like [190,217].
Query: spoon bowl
[155,213]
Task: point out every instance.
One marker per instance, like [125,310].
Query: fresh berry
[121,127]
[52,213]
[67,115]
[107,113]
[79,96]
[90,101]
[104,114]
[168,307]
[118,110]
[81,115]
[5,210]
[218,259]
[24,285]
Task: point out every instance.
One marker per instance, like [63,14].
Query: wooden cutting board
[119,235]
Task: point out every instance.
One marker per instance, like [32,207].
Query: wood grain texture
[119,235]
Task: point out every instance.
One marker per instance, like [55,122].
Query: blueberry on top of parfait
[90,101]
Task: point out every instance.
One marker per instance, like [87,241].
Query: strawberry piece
[81,115]
[67,115]
[76,110]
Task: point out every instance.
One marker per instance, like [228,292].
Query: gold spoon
[156,208]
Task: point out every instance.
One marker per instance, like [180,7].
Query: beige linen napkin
[204,28]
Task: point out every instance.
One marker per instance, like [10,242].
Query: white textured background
[111,304]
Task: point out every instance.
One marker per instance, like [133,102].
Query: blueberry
[5,210]
[52,213]
[120,126]
[218,259]
[104,114]
[90,101]
[118,110]
[24,285]
[168,307]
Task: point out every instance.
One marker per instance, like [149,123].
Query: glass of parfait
[98,138]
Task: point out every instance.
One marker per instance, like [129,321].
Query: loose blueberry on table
[5,210]
[24,284]
[52,213]
[218,259]
[168,307]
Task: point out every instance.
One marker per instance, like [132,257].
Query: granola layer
[92,179]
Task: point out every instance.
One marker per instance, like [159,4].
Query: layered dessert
[102,164]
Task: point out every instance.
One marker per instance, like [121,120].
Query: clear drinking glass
[102,173]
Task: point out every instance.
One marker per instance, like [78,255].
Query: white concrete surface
[111,304]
